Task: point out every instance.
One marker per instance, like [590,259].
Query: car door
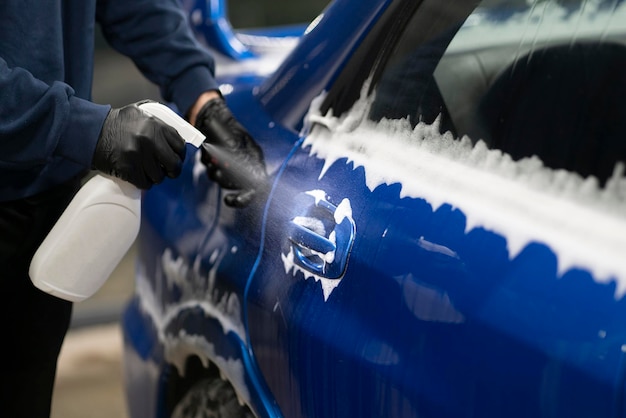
[407,269]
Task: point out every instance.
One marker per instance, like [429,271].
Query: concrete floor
[89,376]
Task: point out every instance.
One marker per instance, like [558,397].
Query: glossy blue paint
[451,327]
[310,246]
[428,319]
[286,31]
[193,317]
[316,62]
[210,21]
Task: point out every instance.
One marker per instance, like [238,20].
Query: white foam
[179,348]
[328,285]
[197,291]
[524,201]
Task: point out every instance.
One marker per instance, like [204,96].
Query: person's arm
[156,35]
[199,103]
[40,123]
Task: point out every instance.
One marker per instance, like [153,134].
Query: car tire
[211,398]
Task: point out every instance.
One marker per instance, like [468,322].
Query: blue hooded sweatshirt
[48,125]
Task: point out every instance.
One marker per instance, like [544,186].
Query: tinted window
[541,78]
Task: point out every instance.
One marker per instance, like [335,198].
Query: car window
[405,86]
[398,57]
[532,78]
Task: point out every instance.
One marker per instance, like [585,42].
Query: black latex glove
[233,159]
[138,148]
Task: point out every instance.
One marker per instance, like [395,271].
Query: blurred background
[89,378]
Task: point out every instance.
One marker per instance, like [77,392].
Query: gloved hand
[138,148]
[233,159]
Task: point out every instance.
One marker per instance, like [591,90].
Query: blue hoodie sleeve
[40,122]
[156,35]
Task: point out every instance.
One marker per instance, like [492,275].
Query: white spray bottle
[97,228]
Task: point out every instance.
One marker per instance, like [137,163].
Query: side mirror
[210,22]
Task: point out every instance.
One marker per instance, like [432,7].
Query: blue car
[442,233]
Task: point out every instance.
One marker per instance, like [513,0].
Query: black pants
[33,323]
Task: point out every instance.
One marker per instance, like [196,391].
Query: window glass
[541,78]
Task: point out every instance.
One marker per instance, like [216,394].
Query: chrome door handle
[320,244]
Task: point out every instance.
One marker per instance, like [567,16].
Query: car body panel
[318,59]
[180,253]
[378,278]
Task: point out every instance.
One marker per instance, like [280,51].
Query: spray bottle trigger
[187,131]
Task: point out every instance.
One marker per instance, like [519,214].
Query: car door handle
[320,244]
[309,240]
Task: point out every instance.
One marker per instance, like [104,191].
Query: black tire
[210,398]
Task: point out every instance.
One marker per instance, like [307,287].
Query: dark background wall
[259,13]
